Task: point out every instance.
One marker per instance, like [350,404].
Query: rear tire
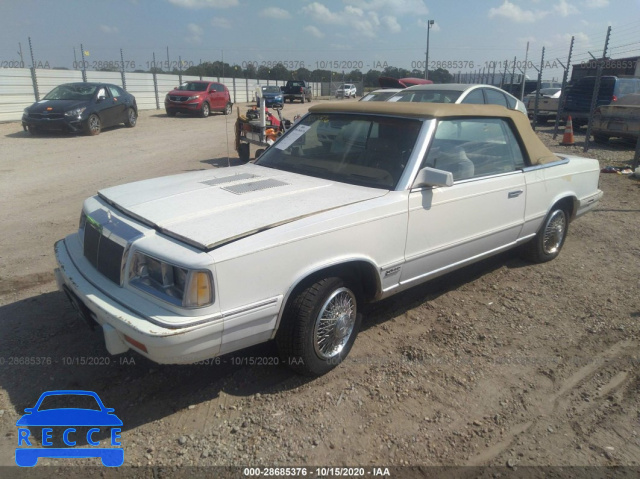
[132,118]
[548,242]
[227,109]
[319,326]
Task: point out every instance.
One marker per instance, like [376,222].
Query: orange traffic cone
[567,139]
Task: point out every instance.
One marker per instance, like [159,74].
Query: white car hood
[212,208]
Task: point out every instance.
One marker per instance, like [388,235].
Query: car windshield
[66,401]
[72,92]
[364,150]
[426,96]
[378,96]
[271,89]
[193,86]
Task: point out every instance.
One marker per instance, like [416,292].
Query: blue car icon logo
[99,419]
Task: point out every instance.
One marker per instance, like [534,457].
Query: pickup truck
[297,90]
[548,102]
[185,268]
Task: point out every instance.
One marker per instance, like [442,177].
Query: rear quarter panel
[576,178]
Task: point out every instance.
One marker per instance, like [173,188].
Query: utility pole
[596,90]
[535,108]
[563,93]
[524,72]
[34,78]
[426,63]
[20,53]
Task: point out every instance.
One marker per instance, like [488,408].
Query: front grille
[103,253]
[46,116]
[178,98]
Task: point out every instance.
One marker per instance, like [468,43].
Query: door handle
[515,194]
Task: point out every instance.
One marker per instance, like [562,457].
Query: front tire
[319,326]
[548,242]
[94,125]
[205,110]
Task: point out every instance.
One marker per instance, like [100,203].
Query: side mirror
[101,97]
[433,177]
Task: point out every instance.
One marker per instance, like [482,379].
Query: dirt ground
[503,363]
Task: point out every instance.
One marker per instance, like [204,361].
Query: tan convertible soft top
[538,153]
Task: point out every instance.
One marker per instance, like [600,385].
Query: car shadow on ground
[382,311]
[45,346]
[44,134]
[194,115]
[59,134]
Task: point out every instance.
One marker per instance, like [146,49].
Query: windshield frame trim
[413,165]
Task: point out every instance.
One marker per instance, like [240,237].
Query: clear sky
[334,34]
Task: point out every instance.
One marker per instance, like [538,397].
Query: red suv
[201,97]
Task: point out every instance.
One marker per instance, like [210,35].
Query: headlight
[194,97]
[75,112]
[26,111]
[175,284]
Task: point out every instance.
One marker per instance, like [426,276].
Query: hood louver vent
[229,179]
[243,188]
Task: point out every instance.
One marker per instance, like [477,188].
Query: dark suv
[199,97]
[578,101]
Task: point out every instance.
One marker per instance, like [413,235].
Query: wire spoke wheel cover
[335,323]
[554,232]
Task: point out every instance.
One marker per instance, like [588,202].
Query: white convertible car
[193,266]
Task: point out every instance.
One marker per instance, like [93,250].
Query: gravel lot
[503,363]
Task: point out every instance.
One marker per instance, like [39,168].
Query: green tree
[302,74]
[280,72]
[371,78]
[440,75]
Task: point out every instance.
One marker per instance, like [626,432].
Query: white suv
[347,90]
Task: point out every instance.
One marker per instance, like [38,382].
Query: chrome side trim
[564,161]
[251,307]
[425,276]
[452,266]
